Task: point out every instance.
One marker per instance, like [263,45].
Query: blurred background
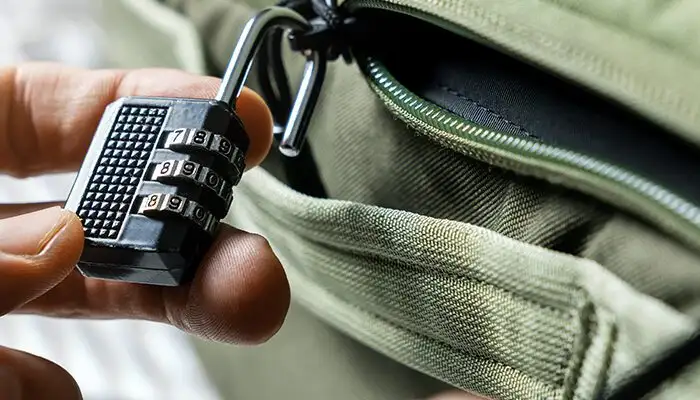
[111,360]
[64,30]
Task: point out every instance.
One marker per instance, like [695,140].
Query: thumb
[24,376]
[10,385]
[37,251]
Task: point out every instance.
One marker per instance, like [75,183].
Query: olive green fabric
[146,34]
[456,301]
[476,276]
[309,359]
[645,56]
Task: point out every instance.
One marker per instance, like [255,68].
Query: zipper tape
[584,173]
[653,89]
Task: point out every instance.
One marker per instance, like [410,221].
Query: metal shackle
[251,39]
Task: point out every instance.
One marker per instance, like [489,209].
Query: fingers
[257,119]
[11,210]
[25,376]
[48,112]
[37,251]
[240,294]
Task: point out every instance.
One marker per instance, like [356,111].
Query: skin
[48,113]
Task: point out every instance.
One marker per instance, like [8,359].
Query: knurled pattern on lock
[112,186]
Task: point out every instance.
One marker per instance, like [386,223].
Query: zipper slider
[330,29]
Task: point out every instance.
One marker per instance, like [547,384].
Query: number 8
[165,168]
[199,137]
[153,200]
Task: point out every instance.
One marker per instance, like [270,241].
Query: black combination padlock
[160,172]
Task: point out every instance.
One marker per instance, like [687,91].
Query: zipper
[524,155]
[579,171]
[587,174]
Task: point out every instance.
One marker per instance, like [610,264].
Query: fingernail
[29,234]
[10,385]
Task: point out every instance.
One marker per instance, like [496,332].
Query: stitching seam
[488,110]
[549,385]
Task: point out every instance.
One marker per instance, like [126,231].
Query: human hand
[48,114]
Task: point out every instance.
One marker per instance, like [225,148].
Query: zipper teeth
[428,10]
[437,120]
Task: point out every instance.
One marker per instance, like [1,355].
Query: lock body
[158,177]
[160,172]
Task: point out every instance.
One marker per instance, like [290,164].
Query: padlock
[160,173]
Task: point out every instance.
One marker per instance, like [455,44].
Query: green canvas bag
[499,196]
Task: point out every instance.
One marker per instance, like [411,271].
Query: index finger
[49,112]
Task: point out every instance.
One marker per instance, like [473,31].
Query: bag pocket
[477,100]
[455,301]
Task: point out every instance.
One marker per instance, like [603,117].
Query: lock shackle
[250,41]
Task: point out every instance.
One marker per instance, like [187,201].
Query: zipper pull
[324,37]
[329,33]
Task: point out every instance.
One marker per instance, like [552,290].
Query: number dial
[176,171]
[163,204]
[192,172]
[186,140]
